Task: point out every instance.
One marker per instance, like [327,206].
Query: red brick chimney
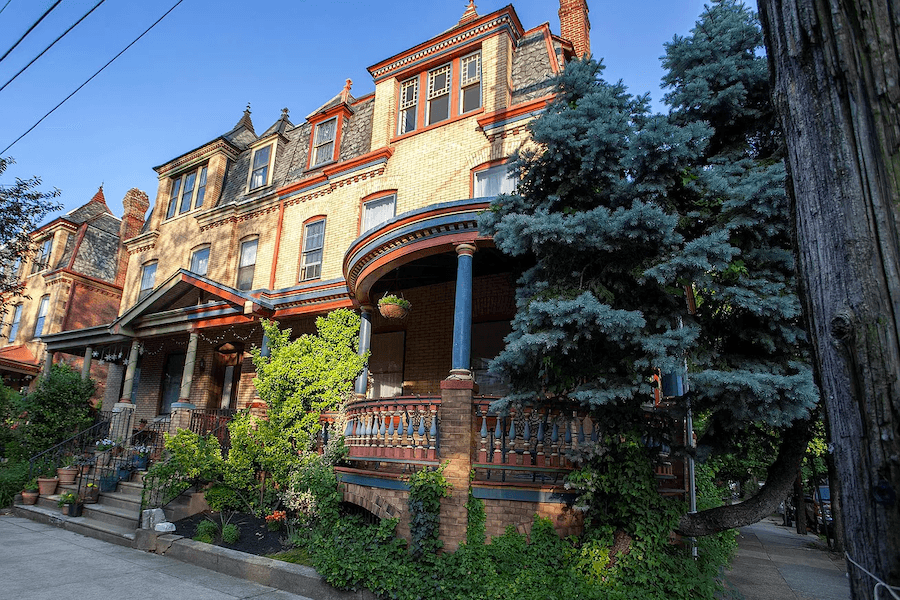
[135,204]
[575,26]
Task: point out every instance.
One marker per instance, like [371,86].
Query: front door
[227,375]
[171,385]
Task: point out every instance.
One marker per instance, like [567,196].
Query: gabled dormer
[327,124]
[192,182]
[264,151]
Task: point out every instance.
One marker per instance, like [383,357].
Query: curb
[297,579]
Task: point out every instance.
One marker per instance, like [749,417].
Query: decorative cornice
[188,160]
[505,18]
[141,243]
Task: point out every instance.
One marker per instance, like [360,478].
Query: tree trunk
[799,505]
[836,72]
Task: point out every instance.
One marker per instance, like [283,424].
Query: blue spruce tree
[624,213]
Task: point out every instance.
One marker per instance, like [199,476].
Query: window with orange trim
[450,90]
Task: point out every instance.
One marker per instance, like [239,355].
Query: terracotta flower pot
[29,498]
[90,495]
[67,475]
[47,485]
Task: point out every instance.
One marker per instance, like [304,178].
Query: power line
[35,24]
[51,45]
[146,31]
[5,5]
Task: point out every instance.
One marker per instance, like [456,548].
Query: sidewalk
[42,562]
[775,563]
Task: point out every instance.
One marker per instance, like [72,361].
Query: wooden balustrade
[403,429]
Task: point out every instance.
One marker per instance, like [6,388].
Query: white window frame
[408,105]
[42,260]
[321,153]
[466,82]
[41,316]
[14,324]
[183,199]
[266,168]
[200,194]
[243,258]
[196,260]
[480,184]
[309,268]
[145,290]
[373,205]
[436,94]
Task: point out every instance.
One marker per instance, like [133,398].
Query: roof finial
[247,110]
[284,113]
[470,14]
[345,93]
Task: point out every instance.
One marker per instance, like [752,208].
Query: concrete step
[123,518]
[131,488]
[121,499]
[123,536]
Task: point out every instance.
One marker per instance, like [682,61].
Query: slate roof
[532,75]
[96,255]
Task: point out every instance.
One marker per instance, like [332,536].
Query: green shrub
[426,488]
[231,533]
[13,479]
[206,531]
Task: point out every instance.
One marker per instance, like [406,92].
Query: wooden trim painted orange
[515,111]
[277,245]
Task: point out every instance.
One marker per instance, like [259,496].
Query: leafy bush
[231,533]
[13,479]
[314,493]
[206,531]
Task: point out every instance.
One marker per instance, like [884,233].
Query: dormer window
[409,105]
[323,144]
[259,175]
[42,261]
[438,95]
[470,82]
[447,95]
[187,192]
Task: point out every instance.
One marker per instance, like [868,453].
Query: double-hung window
[42,261]
[247,264]
[259,174]
[409,105]
[148,280]
[493,181]
[438,95]
[187,192]
[14,328]
[313,244]
[200,261]
[41,316]
[323,144]
[378,211]
[470,82]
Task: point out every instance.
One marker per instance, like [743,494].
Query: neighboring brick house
[365,196]
[73,281]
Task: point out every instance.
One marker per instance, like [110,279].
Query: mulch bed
[255,536]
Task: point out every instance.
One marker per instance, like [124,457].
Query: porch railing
[70,452]
[204,422]
[402,429]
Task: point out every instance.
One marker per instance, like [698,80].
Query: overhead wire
[5,5]
[30,29]
[100,70]
[22,70]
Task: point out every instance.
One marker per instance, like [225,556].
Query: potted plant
[68,502]
[67,472]
[105,449]
[31,492]
[393,307]
[85,462]
[47,485]
[141,457]
[123,469]
[109,481]
[91,494]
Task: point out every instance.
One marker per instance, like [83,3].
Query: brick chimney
[135,204]
[575,26]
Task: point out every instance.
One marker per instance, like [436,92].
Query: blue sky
[189,79]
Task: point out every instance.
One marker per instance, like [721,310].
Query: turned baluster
[497,458]
[539,458]
[482,452]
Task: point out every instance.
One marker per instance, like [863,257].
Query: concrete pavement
[775,563]
[42,562]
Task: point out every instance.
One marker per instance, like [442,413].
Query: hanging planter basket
[393,307]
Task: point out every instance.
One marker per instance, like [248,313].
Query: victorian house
[365,196]
[73,281]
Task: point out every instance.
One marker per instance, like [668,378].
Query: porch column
[86,364]
[48,362]
[187,377]
[462,314]
[129,372]
[365,344]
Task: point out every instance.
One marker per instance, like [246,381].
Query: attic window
[409,105]
[42,261]
[187,192]
[470,82]
[259,175]
[323,144]
[439,94]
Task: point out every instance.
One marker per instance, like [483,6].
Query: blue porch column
[462,314]
[365,343]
